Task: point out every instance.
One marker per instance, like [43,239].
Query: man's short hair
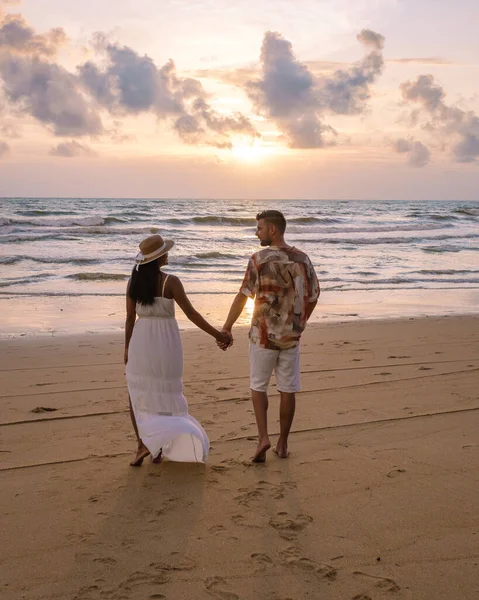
[274,217]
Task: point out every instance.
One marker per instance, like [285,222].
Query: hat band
[140,256]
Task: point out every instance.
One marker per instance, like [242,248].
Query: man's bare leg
[142,451]
[286,416]
[260,405]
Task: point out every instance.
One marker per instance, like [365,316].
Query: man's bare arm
[235,311]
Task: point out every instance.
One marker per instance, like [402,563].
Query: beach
[377,500]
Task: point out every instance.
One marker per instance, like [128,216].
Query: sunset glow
[336,100]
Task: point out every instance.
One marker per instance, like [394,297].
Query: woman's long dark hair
[144,282]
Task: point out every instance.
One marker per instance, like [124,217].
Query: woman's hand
[125,357]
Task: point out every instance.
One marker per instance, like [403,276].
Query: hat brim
[168,246]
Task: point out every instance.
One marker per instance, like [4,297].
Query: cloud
[297,100]
[447,121]
[4,149]
[428,60]
[418,154]
[347,91]
[71,149]
[37,86]
[239,77]
[10,129]
[423,91]
[17,36]
[49,93]
[132,84]
[128,83]
[204,125]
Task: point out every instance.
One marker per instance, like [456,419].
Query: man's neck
[279,243]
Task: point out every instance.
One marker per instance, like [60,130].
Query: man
[284,285]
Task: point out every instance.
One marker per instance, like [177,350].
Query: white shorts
[284,363]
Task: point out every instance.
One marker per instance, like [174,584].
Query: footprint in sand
[381,582]
[291,556]
[283,522]
[216,587]
[105,560]
[176,563]
[262,560]
[216,529]
[140,578]
[362,597]
[264,488]
[123,590]
[395,472]
[219,468]
[241,521]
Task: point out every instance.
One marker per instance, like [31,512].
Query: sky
[320,99]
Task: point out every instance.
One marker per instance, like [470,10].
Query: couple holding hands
[285,288]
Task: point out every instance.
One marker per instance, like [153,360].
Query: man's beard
[265,242]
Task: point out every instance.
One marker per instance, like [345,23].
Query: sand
[379,498]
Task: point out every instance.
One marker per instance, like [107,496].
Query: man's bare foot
[158,458]
[141,453]
[281,451]
[260,454]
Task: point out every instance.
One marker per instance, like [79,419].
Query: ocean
[74,255]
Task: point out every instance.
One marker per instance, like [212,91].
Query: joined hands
[226,339]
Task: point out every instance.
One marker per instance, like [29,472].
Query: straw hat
[152,248]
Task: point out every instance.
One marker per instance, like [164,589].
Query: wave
[243,221]
[367,229]
[410,280]
[43,212]
[8,282]
[18,238]
[442,218]
[389,240]
[216,255]
[471,212]
[73,234]
[76,221]
[447,272]
[98,276]
[10,260]
[445,248]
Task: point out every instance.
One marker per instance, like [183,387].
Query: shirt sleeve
[313,283]
[249,287]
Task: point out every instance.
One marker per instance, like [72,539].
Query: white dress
[154,375]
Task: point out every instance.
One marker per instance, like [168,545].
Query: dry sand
[379,498]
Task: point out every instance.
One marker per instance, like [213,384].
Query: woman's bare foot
[260,454]
[281,451]
[141,453]
[158,458]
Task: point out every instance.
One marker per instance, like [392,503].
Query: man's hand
[224,345]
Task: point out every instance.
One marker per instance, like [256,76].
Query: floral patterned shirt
[283,282]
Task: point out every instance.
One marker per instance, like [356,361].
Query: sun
[247,150]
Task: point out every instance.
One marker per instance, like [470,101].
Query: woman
[154,360]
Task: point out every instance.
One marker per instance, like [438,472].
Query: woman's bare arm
[129,323]
[193,315]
